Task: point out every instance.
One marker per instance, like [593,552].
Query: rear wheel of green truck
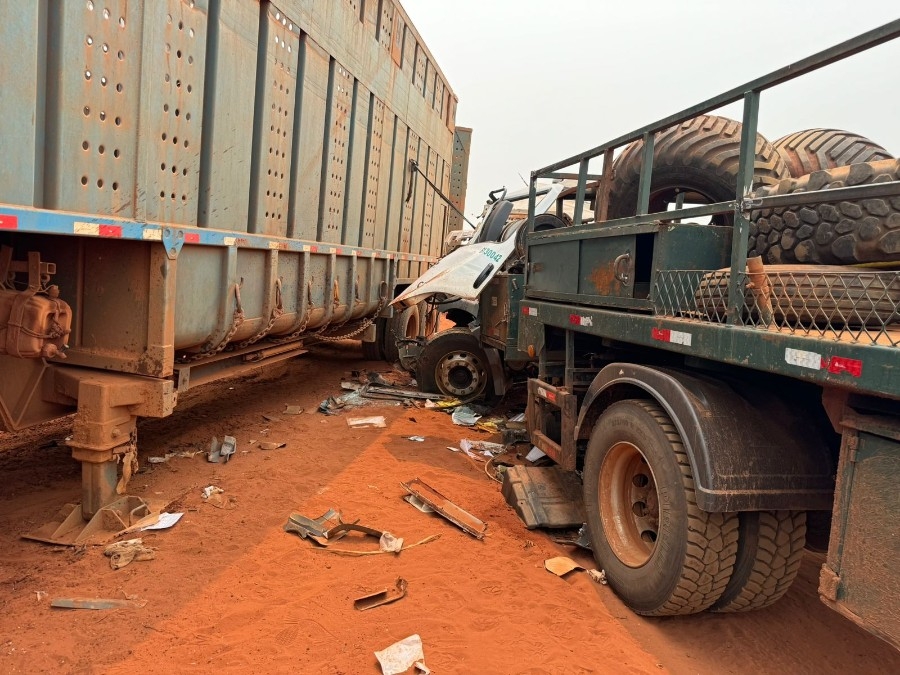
[770,548]
[454,364]
[662,555]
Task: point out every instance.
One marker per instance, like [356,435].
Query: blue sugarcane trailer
[723,411]
[191,188]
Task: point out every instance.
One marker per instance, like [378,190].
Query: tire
[670,558]
[770,548]
[698,157]
[454,364]
[402,325]
[865,231]
[811,295]
[374,351]
[816,149]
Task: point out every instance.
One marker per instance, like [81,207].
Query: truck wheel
[402,325]
[698,157]
[815,149]
[862,231]
[662,555]
[770,547]
[454,364]
[374,351]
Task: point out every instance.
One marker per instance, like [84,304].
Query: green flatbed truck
[724,411]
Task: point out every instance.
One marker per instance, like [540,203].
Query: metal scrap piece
[299,524]
[96,603]
[382,597]
[561,566]
[463,519]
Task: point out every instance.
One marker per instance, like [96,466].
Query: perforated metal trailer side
[197,185]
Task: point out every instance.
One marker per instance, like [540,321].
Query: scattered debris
[211,490]
[166,520]
[271,445]
[401,656]
[486,448]
[463,519]
[382,597]
[40,595]
[417,439]
[271,418]
[123,553]
[581,540]
[561,566]
[544,496]
[389,543]
[97,603]
[598,575]
[159,460]
[221,451]
[464,416]
[366,422]
[293,410]
[418,503]
[517,418]
[359,554]
[535,454]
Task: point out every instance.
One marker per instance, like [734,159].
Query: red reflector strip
[191,238]
[530,311]
[549,395]
[578,320]
[8,222]
[841,364]
[661,334]
[110,231]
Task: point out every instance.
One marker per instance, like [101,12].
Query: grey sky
[539,81]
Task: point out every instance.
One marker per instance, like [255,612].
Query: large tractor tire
[770,547]
[700,158]
[864,231]
[662,555]
[820,149]
[374,351]
[403,325]
[454,364]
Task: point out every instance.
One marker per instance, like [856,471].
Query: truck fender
[749,450]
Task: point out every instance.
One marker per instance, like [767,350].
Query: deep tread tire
[699,157]
[372,351]
[770,548]
[462,345]
[865,231]
[399,327]
[816,149]
[694,552]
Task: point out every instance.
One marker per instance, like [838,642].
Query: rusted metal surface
[463,519]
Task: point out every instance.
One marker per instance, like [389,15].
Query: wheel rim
[629,504]
[460,373]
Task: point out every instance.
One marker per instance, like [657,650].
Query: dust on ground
[229,590]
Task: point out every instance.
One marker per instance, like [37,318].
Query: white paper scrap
[166,520]
[400,656]
[535,454]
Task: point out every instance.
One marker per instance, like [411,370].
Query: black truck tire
[374,351]
[770,547]
[402,325]
[454,364]
[816,149]
[663,557]
[810,295]
[864,231]
[699,157]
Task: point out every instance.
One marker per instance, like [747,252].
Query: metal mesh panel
[837,303]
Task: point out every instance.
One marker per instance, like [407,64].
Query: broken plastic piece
[389,543]
[464,416]
[598,575]
[366,422]
[561,566]
[535,454]
[463,519]
[417,439]
[382,597]
[401,656]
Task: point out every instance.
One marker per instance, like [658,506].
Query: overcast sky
[539,81]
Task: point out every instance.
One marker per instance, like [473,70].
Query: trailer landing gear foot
[68,527]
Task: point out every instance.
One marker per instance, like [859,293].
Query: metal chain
[359,329]
[277,313]
[236,322]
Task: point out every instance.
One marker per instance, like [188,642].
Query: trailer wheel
[662,555]
[863,231]
[698,157]
[401,326]
[454,364]
[815,149]
[374,351]
[770,547]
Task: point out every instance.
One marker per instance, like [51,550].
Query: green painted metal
[499,312]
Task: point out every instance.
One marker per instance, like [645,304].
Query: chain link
[277,313]
[236,322]
[356,331]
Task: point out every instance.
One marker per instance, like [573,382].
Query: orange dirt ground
[229,591]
